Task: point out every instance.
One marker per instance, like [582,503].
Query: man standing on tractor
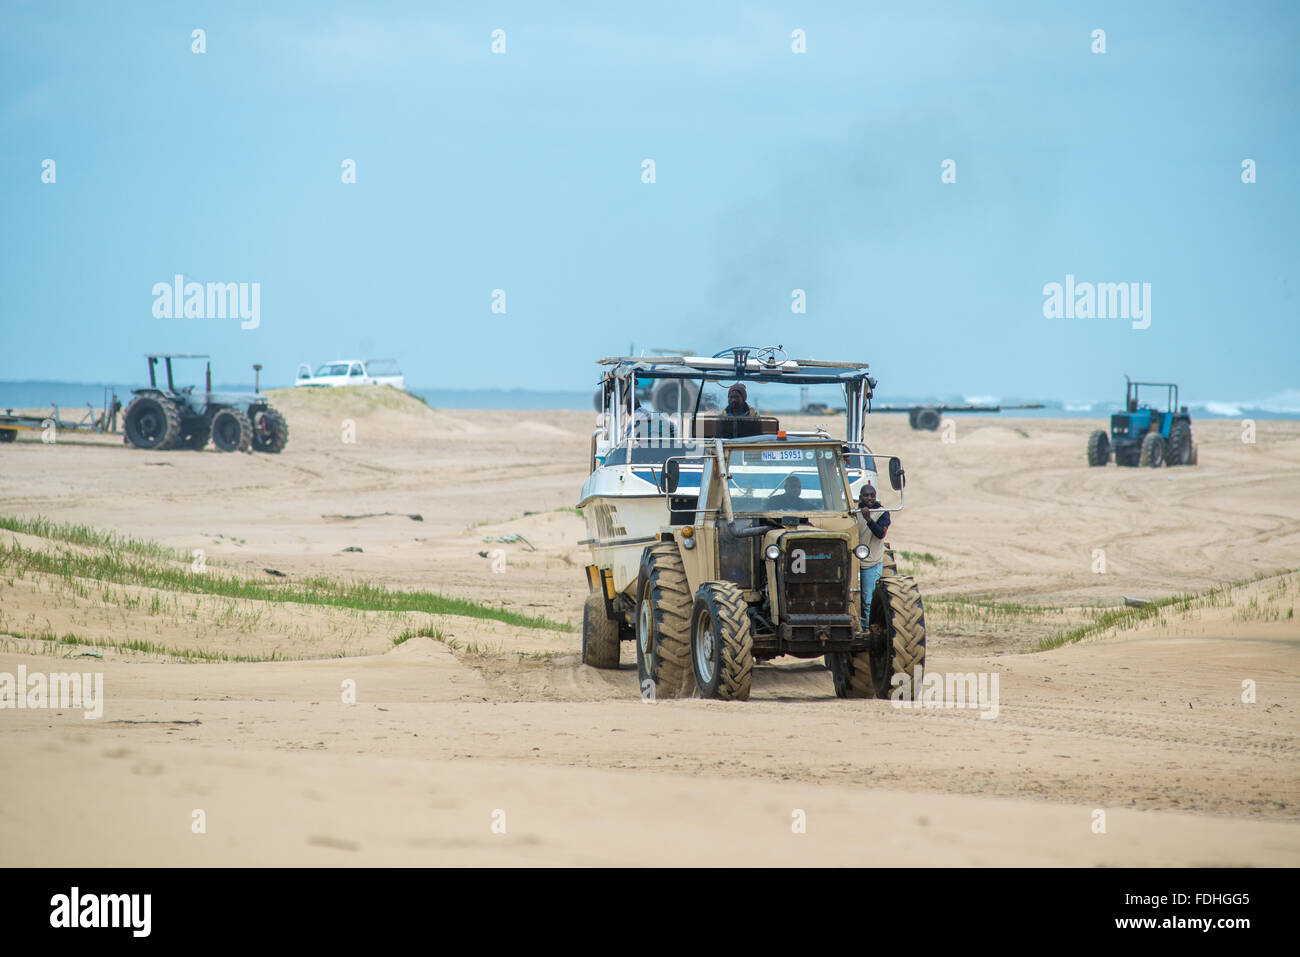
[871,531]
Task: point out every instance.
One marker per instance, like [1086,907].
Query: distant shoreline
[33,394]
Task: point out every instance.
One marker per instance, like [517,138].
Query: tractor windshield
[786,480]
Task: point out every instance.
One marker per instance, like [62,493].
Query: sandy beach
[320,733]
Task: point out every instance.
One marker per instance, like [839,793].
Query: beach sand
[491,743]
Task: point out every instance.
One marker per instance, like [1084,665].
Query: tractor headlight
[773,552]
[861,552]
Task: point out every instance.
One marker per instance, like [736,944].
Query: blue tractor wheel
[1098,448]
[1153,451]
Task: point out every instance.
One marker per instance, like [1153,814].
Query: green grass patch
[983,608]
[424,631]
[142,647]
[1124,617]
[1128,617]
[920,558]
[89,537]
[129,561]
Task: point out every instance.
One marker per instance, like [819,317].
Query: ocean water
[75,395]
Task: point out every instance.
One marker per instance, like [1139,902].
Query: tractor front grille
[815,573]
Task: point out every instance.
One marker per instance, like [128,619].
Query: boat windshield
[786,480]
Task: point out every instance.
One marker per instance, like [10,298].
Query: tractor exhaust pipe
[207,378]
[257,377]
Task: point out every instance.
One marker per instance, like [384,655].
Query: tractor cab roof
[1132,390]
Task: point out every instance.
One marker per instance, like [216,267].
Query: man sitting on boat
[738,401]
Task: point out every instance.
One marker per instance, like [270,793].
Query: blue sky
[775,171]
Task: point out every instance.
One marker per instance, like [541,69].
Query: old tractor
[719,540]
[1144,435]
[164,416]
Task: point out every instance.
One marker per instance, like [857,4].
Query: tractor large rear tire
[151,422]
[1153,451]
[1098,448]
[1178,450]
[722,645]
[231,430]
[599,634]
[663,623]
[270,431]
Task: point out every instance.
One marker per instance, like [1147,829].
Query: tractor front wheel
[270,431]
[1153,451]
[231,430]
[897,628]
[722,645]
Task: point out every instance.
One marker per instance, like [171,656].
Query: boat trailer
[95,421]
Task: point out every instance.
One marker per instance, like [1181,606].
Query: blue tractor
[1143,435]
[167,417]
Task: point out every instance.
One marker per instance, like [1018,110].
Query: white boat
[345,372]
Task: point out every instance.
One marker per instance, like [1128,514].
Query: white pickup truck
[343,372]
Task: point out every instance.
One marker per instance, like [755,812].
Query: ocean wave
[1283,402]
[1229,409]
[1286,402]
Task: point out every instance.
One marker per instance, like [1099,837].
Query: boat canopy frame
[738,364]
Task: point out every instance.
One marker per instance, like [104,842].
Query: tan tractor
[759,557]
